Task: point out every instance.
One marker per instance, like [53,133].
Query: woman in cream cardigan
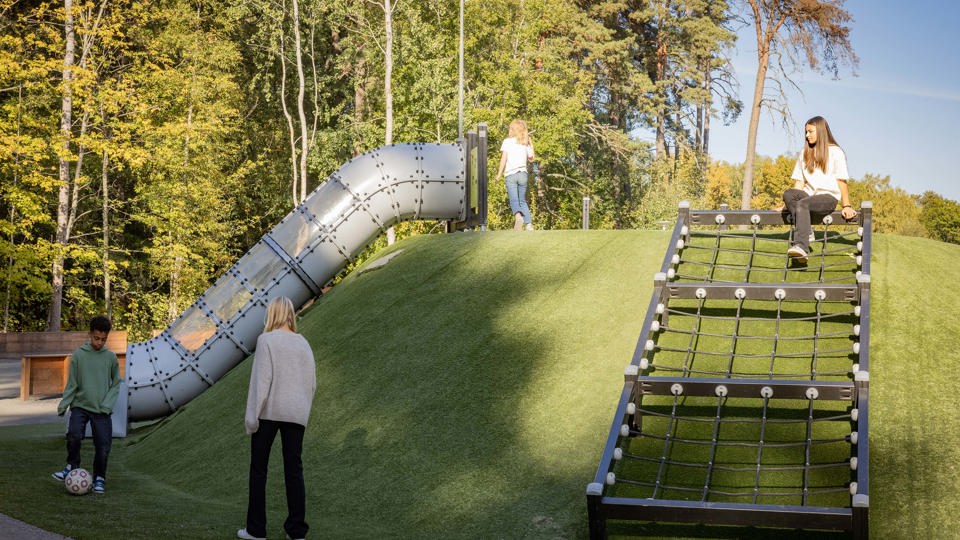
[279,400]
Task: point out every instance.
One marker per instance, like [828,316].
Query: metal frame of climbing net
[746,401]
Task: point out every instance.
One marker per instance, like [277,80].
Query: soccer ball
[78,482]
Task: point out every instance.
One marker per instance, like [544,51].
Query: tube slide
[295,259]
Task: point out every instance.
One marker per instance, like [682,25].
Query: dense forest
[144,146]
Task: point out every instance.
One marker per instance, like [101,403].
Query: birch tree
[388,86]
[816,30]
[301,95]
[63,194]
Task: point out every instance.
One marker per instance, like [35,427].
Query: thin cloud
[859,84]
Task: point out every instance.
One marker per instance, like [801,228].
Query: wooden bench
[13,345]
[45,357]
[46,374]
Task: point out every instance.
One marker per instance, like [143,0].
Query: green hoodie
[93,382]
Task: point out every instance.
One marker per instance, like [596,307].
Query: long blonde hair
[518,130]
[280,314]
[816,156]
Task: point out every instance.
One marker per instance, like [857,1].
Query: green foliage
[723,182]
[666,184]
[181,127]
[941,217]
[894,210]
[771,179]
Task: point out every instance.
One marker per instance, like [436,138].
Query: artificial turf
[466,388]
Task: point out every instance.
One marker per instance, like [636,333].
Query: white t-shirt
[823,182]
[517,155]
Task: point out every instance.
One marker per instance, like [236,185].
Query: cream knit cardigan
[283,380]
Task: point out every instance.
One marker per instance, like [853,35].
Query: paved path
[15,411]
[14,528]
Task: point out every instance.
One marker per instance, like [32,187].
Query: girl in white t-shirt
[820,181]
[515,152]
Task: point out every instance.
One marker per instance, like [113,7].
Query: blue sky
[898,117]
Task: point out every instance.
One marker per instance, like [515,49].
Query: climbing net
[755,339]
[721,254]
[741,450]
[746,400]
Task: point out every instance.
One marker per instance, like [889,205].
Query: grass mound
[465,390]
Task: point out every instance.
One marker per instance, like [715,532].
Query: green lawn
[465,390]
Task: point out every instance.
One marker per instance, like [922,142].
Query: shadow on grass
[461,392]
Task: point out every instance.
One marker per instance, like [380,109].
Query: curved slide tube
[296,258]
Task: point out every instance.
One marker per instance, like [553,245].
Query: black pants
[802,206]
[102,427]
[291,440]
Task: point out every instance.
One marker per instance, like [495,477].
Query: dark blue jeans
[102,427]
[291,439]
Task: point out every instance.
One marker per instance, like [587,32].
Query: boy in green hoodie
[93,384]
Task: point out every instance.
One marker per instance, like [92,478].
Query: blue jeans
[102,427]
[291,439]
[517,194]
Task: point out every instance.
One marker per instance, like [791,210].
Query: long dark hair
[815,157]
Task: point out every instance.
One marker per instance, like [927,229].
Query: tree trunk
[661,73]
[703,108]
[705,141]
[104,187]
[8,292]
[63,197]
[105,217]
[459,81]
[388,88]
[698,129]
[173,299]
[301,90]
[661,141]
[678,137]
[291,133]
[316,84]
[77,170]
[388,71]
[359,103]
[747,195]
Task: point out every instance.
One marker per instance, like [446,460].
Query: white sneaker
[797,253]
[813,237]
[242,533]
[529,226]
[60,475]
[517,222]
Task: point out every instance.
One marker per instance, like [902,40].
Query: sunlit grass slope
[465,391]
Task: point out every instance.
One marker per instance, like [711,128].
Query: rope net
[756,339]
[744,397]
[753,256]
[719,449]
